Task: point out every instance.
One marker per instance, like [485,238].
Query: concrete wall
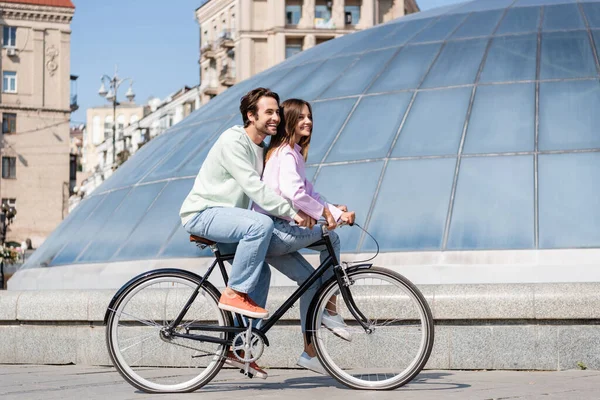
[510,326]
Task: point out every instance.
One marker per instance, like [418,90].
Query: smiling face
[304,124]
[267,118]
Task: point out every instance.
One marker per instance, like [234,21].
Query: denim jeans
[283,255]
[250,231]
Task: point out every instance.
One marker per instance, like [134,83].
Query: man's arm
[236,160]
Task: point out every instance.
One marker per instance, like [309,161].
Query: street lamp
[111,95]
[7,214]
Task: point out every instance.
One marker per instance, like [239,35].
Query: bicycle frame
[330,261]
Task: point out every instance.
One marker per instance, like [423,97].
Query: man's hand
[342,207]
[302,219]
[331,224]
[348,217]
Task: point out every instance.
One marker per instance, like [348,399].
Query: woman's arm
[293,187]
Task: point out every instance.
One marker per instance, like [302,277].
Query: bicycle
[165,332]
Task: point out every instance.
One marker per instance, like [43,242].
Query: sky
[153,42]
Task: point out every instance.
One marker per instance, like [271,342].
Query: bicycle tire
[140,317]
[412,326]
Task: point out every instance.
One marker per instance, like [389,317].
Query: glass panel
[569,192]
[424,135]
[564,16]
[569,117]
[363,41]
[151,153]
[187,148]
[157,224]
[357,193]
[119,225]
[61,235]
[180,246]
[510,58]
[566,55]
[88,231]
[322,77]
[411,208]
[355,143]
[528,3]
[479,24]
[355,79]
[484,5]
[295,78]
[328,117]
[592,13]
[520,20]
[496,125]
[457,64]
[192,166]
[398,34]
[493,205]
[596,36]
[406,69]
[441,29]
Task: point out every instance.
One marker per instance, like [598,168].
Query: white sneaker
[311,363]
[336,324]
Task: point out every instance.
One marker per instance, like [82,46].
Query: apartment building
[240,38]
[97,154]
[35,106]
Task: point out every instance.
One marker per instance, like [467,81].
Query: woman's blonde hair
[290,111]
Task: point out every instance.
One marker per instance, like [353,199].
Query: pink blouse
[285,174]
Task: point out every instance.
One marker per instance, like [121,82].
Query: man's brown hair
[249,103]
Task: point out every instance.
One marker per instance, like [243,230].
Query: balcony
[226,39]
[74,105]
[207,51]
[227,76]
[211,88]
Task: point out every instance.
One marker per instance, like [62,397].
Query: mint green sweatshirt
[230,177]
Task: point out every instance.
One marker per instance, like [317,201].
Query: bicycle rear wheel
[135,333]
[401,337]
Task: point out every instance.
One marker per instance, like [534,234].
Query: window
[9,167]
[9,36]
[108,123]
[9,82]
[293,14]
[9,123]
[9,202]
[323,12]
[293,46]
[120,126]
[352,15]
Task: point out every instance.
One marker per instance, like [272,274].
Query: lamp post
[7,214]
[111,95]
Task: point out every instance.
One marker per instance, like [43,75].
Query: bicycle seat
[198,239]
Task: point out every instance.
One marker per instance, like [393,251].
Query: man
[217,206]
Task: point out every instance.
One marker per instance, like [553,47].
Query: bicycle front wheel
[135,333]
[398,342]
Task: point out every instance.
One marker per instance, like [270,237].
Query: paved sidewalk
[24,382]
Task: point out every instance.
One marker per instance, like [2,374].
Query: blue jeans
[250,231]
[283,255]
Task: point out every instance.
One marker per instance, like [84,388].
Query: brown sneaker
[253,368]
[242,304]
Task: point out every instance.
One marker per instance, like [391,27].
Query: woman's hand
[348,217]
[341,207]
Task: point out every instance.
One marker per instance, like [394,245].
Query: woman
[285,173]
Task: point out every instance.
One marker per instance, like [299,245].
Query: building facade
[35,104]
[136,125]
[98,149]
[240,38]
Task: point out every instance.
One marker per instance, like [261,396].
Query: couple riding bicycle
[171,330]
[217,209]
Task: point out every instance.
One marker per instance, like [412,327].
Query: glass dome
[469,127]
